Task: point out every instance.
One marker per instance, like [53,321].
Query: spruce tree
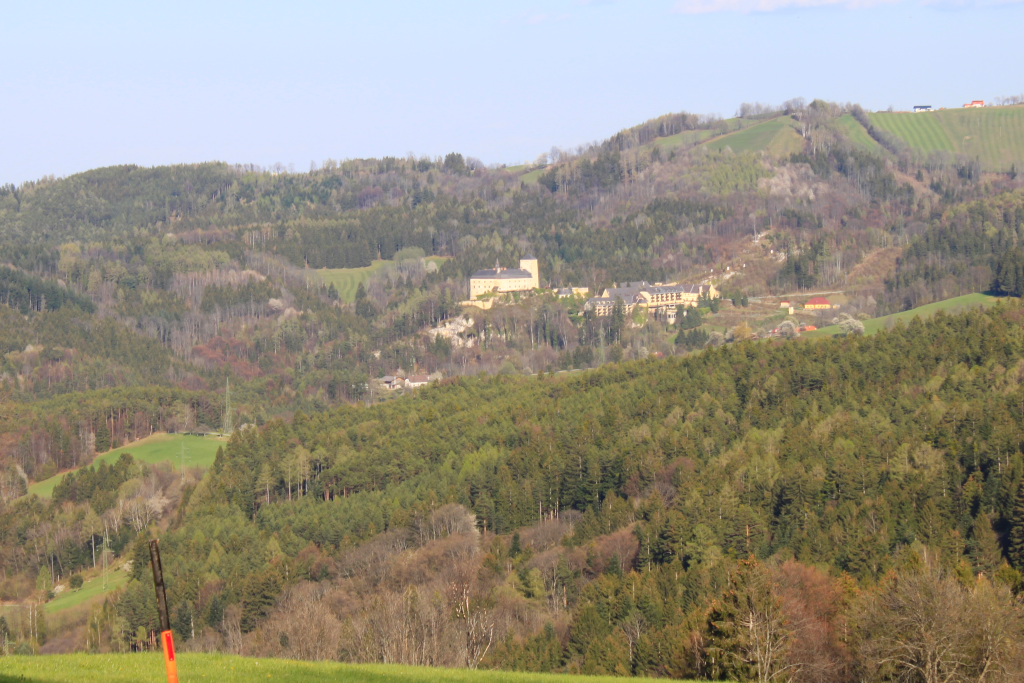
[983,546]
[1016,546]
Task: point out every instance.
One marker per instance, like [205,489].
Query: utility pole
[166,637]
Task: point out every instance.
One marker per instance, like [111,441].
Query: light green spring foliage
[726,172]
[196,668]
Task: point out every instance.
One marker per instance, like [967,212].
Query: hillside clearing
[775,136]
[346,280]
[90,589]
[954,305]
[193,668]
[199,452]
[857,134]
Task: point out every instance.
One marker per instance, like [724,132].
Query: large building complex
[654,297]
[500,280]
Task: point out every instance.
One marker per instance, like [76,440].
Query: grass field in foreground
[199,452]
[90,589]
[995,135]
[346,280]
[196,668]
[954,305]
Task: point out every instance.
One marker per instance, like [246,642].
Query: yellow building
[818,303]
[500,280]
[656,297]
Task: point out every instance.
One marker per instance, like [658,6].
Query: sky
[85,85]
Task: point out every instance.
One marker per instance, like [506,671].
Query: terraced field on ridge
[775,136]
[921,131]
[994,135]
[858,134]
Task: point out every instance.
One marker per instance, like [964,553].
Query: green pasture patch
[90,589]
[786,142]
[209,668]
[756,138]
[993,135]
[689,138]
[533,176]
[923,131]
[199,452]
[857,133]
[346,280]
[952,306]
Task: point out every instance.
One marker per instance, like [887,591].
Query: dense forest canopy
[578,508]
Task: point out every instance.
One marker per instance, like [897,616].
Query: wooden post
[166,637]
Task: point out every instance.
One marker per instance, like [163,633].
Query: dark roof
[671,289]
[503,274]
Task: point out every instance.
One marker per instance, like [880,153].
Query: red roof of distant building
[817,301]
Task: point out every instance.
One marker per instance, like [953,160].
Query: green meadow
[995,135]
[90,589]
[857,134]
[199,452]
[346,280]
[954,305]
[203,668]
[775,136]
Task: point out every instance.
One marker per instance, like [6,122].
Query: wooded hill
[644,517]
[187,277]
[631,519]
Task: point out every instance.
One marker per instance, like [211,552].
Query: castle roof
[501,274]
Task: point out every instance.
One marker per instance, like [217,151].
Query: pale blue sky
[83,86]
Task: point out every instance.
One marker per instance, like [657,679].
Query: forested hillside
[626,520]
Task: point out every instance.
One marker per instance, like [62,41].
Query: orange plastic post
[167,639]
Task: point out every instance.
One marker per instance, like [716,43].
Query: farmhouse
[817,303]
[500,280]
[392,382]
[974,104]
[922,107]
[417,381]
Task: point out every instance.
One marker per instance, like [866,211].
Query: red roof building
[817,303]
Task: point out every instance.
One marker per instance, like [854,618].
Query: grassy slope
[993,134]
[199,452]
[346,280]
[953,305]
[90,589]
[775,136]
[192,668]
[857,134]
[686,139]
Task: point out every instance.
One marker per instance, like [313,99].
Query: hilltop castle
[498,279]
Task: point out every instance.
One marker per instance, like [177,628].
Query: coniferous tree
[1016,544]
[983,546]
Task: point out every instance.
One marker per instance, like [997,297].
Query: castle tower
[529,264]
